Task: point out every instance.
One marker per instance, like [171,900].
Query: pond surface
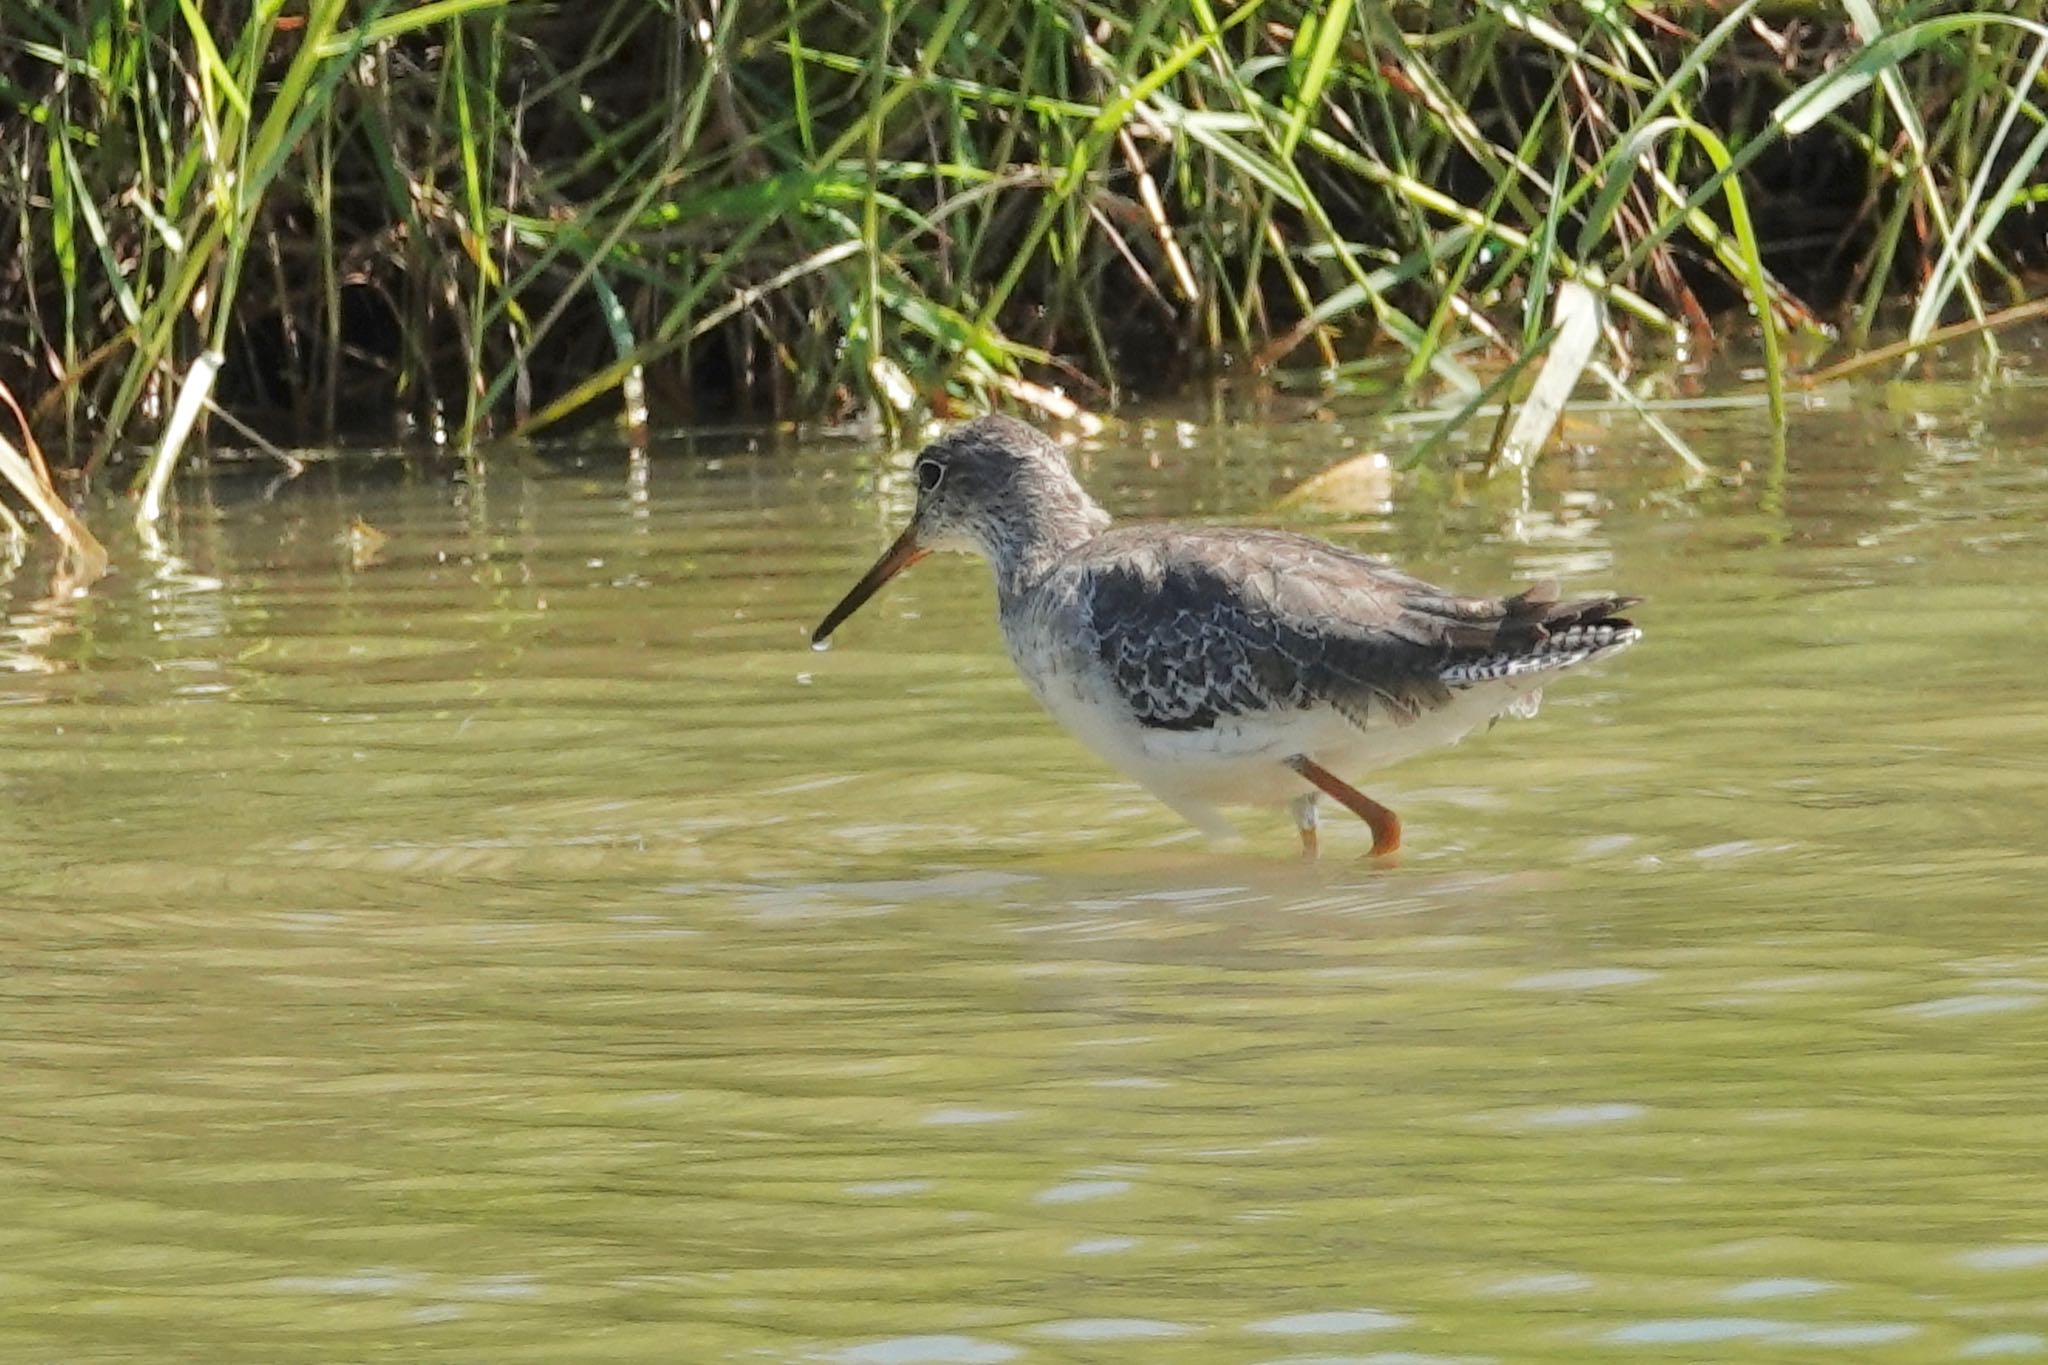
[509,942]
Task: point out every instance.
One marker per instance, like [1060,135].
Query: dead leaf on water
[365,543]
[1364,483]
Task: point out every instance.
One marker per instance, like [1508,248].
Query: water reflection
[34,627]
[518,946]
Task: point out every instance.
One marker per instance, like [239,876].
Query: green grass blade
[1326,33]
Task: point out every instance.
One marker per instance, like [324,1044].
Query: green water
[513,944]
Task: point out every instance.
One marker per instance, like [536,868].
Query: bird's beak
[898,557]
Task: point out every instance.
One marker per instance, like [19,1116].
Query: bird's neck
[1034,534]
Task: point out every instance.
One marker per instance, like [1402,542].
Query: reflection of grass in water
[480,215]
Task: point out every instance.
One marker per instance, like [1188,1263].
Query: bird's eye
[929,472]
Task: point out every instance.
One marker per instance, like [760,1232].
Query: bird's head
[996,487]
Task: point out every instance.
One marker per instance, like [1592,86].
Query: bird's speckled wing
[1190,627]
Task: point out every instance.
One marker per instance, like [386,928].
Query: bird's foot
[1306,819]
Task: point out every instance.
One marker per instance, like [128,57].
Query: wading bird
[1223,667]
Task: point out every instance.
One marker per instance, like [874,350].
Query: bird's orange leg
[1385,825]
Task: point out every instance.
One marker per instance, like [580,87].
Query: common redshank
[1229,667]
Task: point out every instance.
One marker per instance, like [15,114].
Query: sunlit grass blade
[192,398]
[1978,216]
[1574,335]
[25,471]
